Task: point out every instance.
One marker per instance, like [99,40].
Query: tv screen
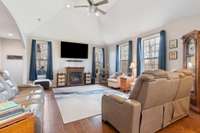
[74,50]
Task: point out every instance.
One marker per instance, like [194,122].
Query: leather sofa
[158,99]
[31,97]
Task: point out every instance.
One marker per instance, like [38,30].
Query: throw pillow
[1,87]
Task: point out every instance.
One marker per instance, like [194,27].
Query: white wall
[15,67]
[60,63]
[175,30]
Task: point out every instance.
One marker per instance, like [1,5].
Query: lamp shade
[132,66]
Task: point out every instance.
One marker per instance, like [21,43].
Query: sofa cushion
[147,77]
[184,72]
[157,73]
[2,88]
[173,75]
[138,84]
[135,91]
[4,74]
[10,83]
[4,96]
[6,91]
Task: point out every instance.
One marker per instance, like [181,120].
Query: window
[123,58]
[151,52]
[42,53]
[99,65]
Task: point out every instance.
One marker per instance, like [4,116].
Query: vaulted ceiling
[124,18]
[8,27]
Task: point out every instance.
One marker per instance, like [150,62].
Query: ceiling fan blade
[101,11]
[90,2]
[101,3]
[81,6]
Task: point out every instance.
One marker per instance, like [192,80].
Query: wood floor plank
[53,122]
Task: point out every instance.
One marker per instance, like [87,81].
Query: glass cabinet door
[191,62]
[191,55]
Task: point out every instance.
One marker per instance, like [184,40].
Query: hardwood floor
[53,122]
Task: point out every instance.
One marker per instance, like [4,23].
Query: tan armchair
[114,80]
[154,103]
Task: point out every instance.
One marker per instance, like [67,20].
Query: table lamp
[133,66]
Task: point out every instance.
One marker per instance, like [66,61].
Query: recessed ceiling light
[10,34]
[68,5]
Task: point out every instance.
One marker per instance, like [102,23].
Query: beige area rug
[80,102]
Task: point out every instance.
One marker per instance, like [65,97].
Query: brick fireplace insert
[74,76]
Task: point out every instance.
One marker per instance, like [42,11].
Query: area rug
[80,102]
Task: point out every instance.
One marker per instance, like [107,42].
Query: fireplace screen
[75,77]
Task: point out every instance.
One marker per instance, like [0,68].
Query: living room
[102,66]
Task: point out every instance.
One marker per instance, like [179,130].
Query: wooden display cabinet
[191,60]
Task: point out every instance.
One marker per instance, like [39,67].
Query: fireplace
[75,76]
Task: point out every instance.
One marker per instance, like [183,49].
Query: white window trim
[148,38]
[121,45]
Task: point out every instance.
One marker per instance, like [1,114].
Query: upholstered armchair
[157,100]
[114,81]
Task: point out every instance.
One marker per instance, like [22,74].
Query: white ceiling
[7,24]
[124,18]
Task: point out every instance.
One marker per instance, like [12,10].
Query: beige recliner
[179,106]
[157,100]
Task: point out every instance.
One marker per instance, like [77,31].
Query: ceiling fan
[93,6]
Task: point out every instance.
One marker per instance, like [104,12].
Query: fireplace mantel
[74,76]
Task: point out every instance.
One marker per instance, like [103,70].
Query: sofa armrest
[117,98]
[122,113]
[33,87]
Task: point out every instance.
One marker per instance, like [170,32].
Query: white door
[15,68]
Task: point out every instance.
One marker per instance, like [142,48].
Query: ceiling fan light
[68,5]
[97,14]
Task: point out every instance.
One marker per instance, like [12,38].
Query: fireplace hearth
[75,76]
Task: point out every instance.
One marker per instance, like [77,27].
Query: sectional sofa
[31,97]
[158,99]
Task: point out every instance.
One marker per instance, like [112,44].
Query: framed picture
[173,55]
[173,43]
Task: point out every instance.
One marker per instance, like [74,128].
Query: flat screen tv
[74,50]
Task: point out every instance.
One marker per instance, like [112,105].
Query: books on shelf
[9,110]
